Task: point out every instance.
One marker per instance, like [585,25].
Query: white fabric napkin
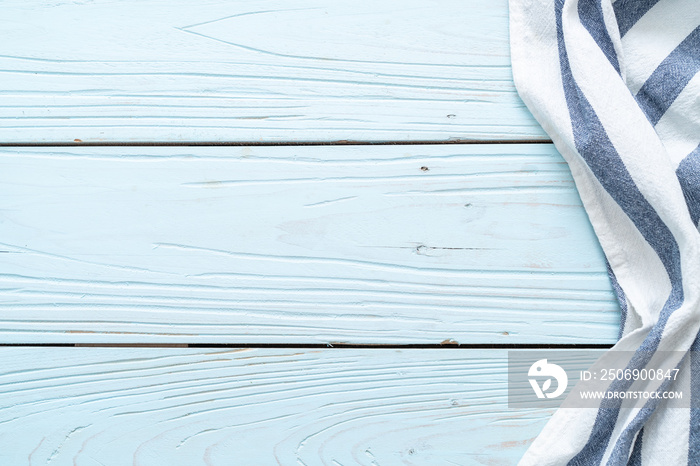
[616,86]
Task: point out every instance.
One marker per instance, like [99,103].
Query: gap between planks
[446,345]
[79,143]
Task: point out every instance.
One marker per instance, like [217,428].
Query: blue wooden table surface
[264,232]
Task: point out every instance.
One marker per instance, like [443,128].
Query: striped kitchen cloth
[616,86]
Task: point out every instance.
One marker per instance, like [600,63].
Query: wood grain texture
[177,407]
[261,70]
[370,244]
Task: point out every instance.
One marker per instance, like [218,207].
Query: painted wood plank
[327,244]
[261,70]
[97,406]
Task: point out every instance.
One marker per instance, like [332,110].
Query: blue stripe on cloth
[694,434]
[621,298]
[670,78]
[636,456]
[591,14]
[595,147]
[628,12]
[688,173]
[624,442]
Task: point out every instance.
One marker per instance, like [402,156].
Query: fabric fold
[606,116]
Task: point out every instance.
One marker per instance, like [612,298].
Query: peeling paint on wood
[298,245]
[166,407]
[147,246]
[262,70]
